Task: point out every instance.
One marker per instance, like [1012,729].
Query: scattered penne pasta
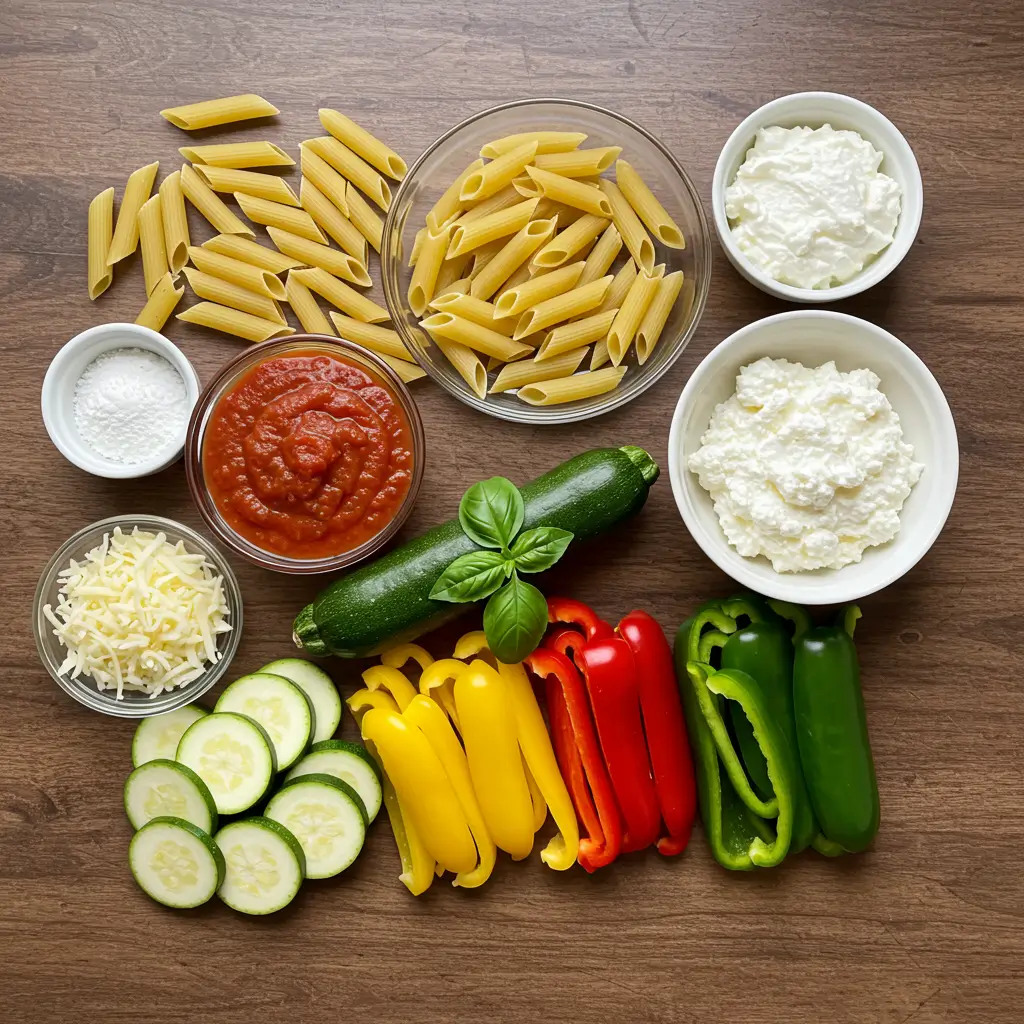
[340,295]
[529,371]
[474,336]
[101,231]
[450,203]
[151,234]
[569,242]
[466,363]
[248,251]
[330,219]
[335,262]
[246,275]
[561,307]
[160,304]
[547,142]
[252,183]
[647,207]
[428,265]
[320,173]
[366,220]
[466,237]
[572,389]
[125,239]
[382,340]
[633,233]
[510,257]
[498,173]
[363,144]
[210,113]
[579,163]
[578,194]
[634,306]
[234,321]
[406,372]
[653,322]
[576,335]
[226,293]
[210,205]
[297,221]
[478,310]
[352,168]
[238,154]
[305,307]
[519,299]
[172,209]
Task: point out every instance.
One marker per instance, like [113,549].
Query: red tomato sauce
[308,455]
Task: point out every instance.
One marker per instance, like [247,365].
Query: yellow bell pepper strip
[540,807]
[429,805]
[363,700]
[438,681]
[495,764]
[381,677]
[417,865]
[428,717]
[400,655]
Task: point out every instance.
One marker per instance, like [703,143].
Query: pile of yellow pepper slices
[468,764]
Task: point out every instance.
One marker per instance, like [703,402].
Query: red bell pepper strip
[604,828]
[569,761]
[575,613]
[665,727]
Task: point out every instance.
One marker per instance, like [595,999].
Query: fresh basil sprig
[491,514]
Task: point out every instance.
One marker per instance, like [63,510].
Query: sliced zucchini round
[175,862]
[349,762]
[279,706]
[318,686]
[327,817]
[264,863]
[158,736]
[233,755]
[168,789]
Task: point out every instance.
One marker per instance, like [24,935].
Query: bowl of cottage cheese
[813,457]
[816,197]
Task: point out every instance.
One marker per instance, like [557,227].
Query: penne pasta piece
[335,262]
[578,163]
[238,154]
[239,272]
[172,209]
[566,214]
[210,205]
[234,321]
[339,294]
[329,218]
[151,234]
[561,307]
[407,372]
[484,255]
[513,301]
[513,254]
[653,322]
[461,286]
[305,307]
[352,168]
[101,231]
[577,335]
[466,237]
[633,233]
[579,194]
[569,242]
[248,251]
[647,207]
[501,200]
[297,221]
[363,143]
[529,371]
[321,174]
[547,142]
[493,362]
[382,340]
[125,239]
[522,274]
[474,336]
[417,245]
[527,187]
[477,310]
[452,270]
[498,173]
[252,183]
[226,293]
[428,265]
[631,312]
[370,226]
[160,304]
[467,364]
[613,299]
[572,389]
[210,113]
[600,356]
[602,256]
[450,203]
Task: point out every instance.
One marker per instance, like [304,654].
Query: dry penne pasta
[160,304]
[210,205]
[547,142]
[599,356]
[339,294]
[561,307]
[335,262]
[366,220]
[647,206]
[406,372]
[330,183]
[252,183]
[510,257]
[467,364]
[478,310]
[172,209]
[549,208]
[351,167]
[654,319]
[305,307]
[450,203]
[329,218]
[417,245]
[248,251]
[613,299]
[238,154]
[578,334]
[462,286]
[151,234]
[529,371]
[246,275]
[527,187]
[474,336]
[466,237]
[634,234]
[498,173]
[571,389]
[452,270]
[428,265]
[234,321]
[602,256]
[297,221]
[227,293]
[579,194]
[101,231]
[125,239]
[522,273]
[631,312]
[382,340]
[519,299]
[363,143]
[569,242]
[501,200]
[578,163]
[484,255]
[210,113]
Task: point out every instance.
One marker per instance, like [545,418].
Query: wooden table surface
[927,925]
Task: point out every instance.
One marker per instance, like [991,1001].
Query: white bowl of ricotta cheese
[836,467]
[816,197]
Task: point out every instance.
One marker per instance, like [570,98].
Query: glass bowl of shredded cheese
[137,615]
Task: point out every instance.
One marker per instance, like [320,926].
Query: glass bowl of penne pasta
[546,260]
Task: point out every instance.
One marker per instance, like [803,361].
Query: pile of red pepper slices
[618,731]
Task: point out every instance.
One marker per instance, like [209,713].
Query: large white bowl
[813,109]
[813,337]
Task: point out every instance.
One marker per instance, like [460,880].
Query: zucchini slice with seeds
[318,686]
[264,866]
[158,735]
[168,789]
[175,862]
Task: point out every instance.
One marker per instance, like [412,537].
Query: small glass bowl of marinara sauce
[305,455]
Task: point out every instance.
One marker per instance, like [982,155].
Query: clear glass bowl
[227,378]
[449,156]
[132,705]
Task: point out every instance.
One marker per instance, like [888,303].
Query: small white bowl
[813,337]
[58,398]
[813,109]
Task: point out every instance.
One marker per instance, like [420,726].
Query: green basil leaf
[539,549]
[514,620]
[491,512]
[470,577]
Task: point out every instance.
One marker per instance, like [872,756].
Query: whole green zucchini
[387,601]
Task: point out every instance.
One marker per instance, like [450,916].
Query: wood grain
[924,928]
